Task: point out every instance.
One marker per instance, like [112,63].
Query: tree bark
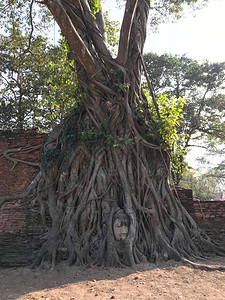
[103,191]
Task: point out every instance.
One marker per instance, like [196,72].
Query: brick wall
[20,225]
[209,215]
[15,180]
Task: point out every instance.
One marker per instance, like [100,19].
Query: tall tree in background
[19,77]
[203,186]
[33,91]
[104,176]
[215,153]
[202,86]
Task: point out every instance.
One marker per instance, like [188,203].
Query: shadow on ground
[18,282]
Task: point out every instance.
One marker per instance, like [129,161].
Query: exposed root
[125,183]
[7,154]
[80,205]
[110,205]
[30,192]
[203,267]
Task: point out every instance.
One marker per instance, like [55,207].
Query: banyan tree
[103,188]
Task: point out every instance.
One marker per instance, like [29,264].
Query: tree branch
[13,197]
[72,36]
[95,32]
[25,193]
[137,39]
[31,24]
[130,9]
[196,146]
[150,87]
[212,131]
[100,22]
[7,152]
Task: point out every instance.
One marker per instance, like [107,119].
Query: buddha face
[121,226]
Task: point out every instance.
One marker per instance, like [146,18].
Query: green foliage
[218,172]
[100,137]
[201,84]
[37,84]
[21,77]
[18,12]
[171,115]
[49,158]
[171,10]
[204,187]
[214,153]
[179,165]
[61,90]
[94,5]
[112,31]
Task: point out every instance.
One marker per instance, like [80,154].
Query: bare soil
[169,280]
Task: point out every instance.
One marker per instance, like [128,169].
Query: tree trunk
[103,191]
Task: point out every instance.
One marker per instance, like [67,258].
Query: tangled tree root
[113,208]
[110,205]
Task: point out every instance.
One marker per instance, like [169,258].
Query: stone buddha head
[121,223]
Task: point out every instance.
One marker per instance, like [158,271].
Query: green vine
[178,162]
[96,137]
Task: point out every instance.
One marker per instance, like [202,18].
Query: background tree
[216,167]
[60,91]
[32,92]
[203,186]
[104,173]
[218,172]
[202,86]
[20,77]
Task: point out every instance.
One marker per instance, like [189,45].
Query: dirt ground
[169,281]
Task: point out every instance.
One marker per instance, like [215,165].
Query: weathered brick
[207,214]
[20,229]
